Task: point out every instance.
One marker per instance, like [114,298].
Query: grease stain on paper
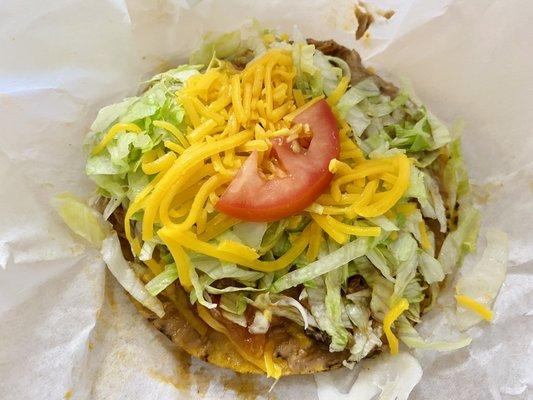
[246,387]
[483,194]
[185,378]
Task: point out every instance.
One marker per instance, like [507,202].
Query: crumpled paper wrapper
[67,330]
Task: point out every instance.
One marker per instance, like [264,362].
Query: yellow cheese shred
[473,305]
[173,146]
[237,248]
[177,174]
[392,196]
[112,132]
[336,95]
[391,316]
[174,130]
[424,237]
[183,264]
[161,164]
[189,240]
[273,369]
[216,226]
[334,233]
[314,243]
[200,199]
[353,230]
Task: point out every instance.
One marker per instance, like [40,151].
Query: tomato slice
[250,197]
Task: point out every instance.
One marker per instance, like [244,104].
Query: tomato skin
[252,198]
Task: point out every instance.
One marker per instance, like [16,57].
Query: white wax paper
[68,331]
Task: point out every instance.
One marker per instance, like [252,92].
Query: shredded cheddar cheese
[393,314]
[112,132]
[473,305]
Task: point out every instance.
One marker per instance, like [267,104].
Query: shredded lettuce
[163,280]
[356,94]
[233,302]
[332,261]
[260,323]
[455,177]
[377,258]
[319,310]
[463,239]
[147,250]
[217,269]
[121,270]
[81,219]
[109,114]
[235,318]
[284,306]
[116,168]
[483,281]
[430,268]
[251,233]
[365,342]
[412,339]
[333,298]
[227,45]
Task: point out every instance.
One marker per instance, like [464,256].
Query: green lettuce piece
[260,324]
[483,281]
[366,337]
[81,219]
[430,268]
[439,132]
[163,280]
[250,233]
[199,287]
[462,240]
[404,247]
[364,343]
[334,328]
[231,289]
[233,302]
[308,78]
[414,294]
[384,223]
[323,265]
[358,121]
[284,306]
[147,250]
[146,105]
[438,210]
[405,251]
[455,177]
[273,234]
[380,301]
[112,254]
[235,318]
[333,298]
[217,269]
[412,339]
[110,114]
[228,45]
[377,258]
[357,93]
[179,74]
